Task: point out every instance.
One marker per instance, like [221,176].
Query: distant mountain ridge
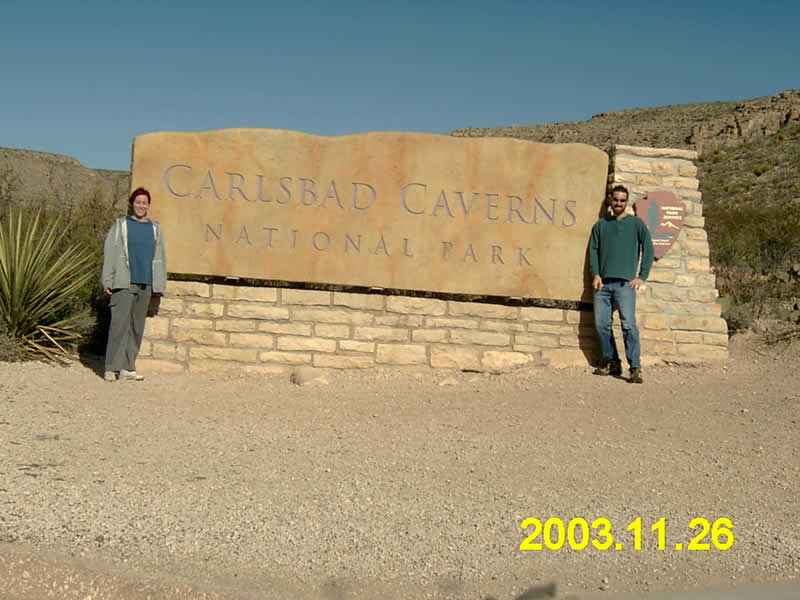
[698,127]
[32,176]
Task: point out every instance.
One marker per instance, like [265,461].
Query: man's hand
[635,283]
[108,291]
[597,282]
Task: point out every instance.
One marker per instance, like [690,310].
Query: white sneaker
[110,376]
[130,375]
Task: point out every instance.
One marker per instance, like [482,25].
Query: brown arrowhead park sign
[484,216]
[663,214]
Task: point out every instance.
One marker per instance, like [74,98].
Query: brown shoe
[636,376]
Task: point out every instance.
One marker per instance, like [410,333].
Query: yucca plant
[40,277]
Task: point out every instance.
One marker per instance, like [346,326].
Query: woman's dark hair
[140,191]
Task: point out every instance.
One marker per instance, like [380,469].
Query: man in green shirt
[617,244]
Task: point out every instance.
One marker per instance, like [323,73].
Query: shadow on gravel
[93,362]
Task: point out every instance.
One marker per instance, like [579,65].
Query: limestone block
[146,349]
[697,248]
[166,350]
[688,337]
[694,221]
[669,261]
[632,165]
[451,322]
[332,331]
[536,313]
[252,340]
[654,321]
[697,264]
[192,323]
[647,305]
[359,301]
[223,353]
[690,183]
[429,335]
[234,325]
[308,297]
[337,361]
[707,280]
[705,324]
[654,152]
[354,346]
[582,316]
[401,354]
[418,306]
[150,365]
[199,336]
[715,339]
[686,280]
[170,306]
[483,338]
[286,358]
[384,334]
[661,276]
[668,292]
[664,167]
[251,294]
[188,288]
[320,315]
[565,329]
[508,326]
[285,328]
[454,357]
[658,335]
[249,310]
[703,294]
[622,177]
[306,343]
[504,361]
[686,169]
[648,180]
[559,358]
[697,234]
[535,341]
[478,309]
[197,309]
[156,328]
[395,320]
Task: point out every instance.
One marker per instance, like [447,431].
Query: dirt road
[395,483]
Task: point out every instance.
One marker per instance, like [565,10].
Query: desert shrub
[41,277]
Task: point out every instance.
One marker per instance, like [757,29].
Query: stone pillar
[677,309]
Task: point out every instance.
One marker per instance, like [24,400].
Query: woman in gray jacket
[134,267]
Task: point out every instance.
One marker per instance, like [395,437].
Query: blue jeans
[617,292]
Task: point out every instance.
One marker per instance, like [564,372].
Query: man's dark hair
[140,191]
[620,188]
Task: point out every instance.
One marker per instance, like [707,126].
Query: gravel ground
[393,483]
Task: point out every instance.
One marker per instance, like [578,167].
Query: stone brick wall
[677,310]
[214,327]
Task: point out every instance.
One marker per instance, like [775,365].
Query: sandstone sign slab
[482,216]
[663,214]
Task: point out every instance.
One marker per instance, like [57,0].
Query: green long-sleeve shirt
[615,247]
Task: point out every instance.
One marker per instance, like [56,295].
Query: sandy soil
[394,484]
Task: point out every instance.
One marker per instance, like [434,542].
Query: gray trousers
[128,313]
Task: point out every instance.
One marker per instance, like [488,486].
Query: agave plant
[40,276]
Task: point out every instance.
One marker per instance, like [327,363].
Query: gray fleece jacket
[116,266]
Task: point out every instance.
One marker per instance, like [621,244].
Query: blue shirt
[141,250]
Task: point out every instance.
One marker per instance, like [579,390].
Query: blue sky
[84,78]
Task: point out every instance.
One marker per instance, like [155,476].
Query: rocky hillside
[37,178]
[700,127]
